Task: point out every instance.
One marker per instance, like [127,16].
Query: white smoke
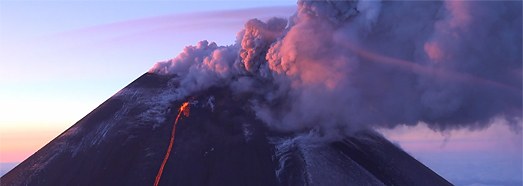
[256,40]
[200,67]
[339,66]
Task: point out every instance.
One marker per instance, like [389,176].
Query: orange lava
[185,110]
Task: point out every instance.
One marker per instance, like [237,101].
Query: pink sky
[70,71]
[38,103]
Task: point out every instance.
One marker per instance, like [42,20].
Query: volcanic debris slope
[124,140]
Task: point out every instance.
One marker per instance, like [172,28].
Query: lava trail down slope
[123,141]
[185,110]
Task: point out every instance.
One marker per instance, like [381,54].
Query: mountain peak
[221,142]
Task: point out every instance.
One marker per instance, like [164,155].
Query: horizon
[59,64]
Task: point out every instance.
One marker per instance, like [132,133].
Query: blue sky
[61,59]
[61,52]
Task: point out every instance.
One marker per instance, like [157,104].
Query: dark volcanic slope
[123,141]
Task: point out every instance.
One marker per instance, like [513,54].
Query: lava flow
[185,110]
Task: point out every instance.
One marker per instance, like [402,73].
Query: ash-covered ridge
[295,101]
[123,141]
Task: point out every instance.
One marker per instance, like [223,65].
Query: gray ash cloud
[341,66]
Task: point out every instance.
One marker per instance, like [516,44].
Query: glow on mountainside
[185,110]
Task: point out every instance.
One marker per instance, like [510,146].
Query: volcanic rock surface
[124,140]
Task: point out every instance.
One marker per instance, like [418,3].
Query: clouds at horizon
[60,74]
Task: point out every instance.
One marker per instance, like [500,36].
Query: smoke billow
[340,66]
[256,40]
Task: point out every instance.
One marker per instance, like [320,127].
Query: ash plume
[341,66]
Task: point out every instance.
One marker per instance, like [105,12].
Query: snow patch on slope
[310,159]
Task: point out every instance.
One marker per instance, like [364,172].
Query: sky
[58,61]
[58,57]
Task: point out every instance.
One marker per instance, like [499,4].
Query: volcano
[125,139]
[295,101]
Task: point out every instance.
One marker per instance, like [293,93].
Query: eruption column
[185,110]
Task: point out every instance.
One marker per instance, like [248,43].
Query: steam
[200,67]
[256,40]
[340,66]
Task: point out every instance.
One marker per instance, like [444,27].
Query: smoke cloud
[340,66]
